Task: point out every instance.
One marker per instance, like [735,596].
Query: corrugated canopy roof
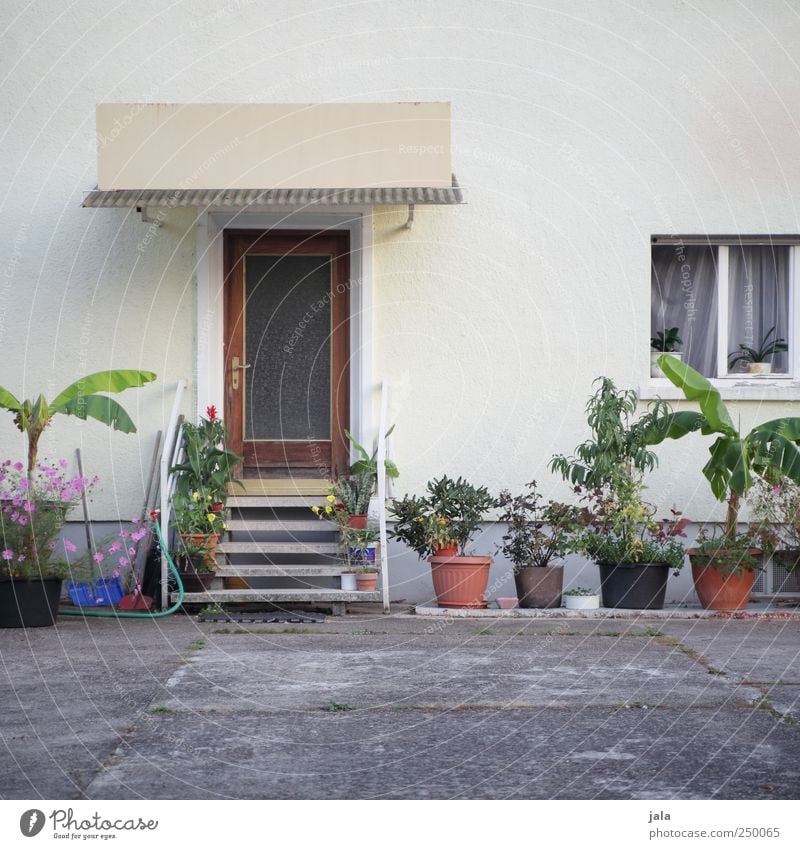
[242,198]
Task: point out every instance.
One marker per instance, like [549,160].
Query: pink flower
[21,558]
[23,520]
[124,534]
[135,520]
[99,557]
[8,554]
[18,466]
[131,551]
[70,546]
[23,484]
[114,547]
[28,507]
[115,573]
[123,561]
[15,516]
[66,494]
[63,464]
[776,490]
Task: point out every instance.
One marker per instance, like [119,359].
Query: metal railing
[382,496]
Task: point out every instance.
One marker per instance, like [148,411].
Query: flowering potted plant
[197,524]
[775,519]
[537,536]
[360,551]
[195,565]
[33,509]
[208,466]
[440,525]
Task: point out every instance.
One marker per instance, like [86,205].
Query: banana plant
[369,463]
[79,399]
[769,450]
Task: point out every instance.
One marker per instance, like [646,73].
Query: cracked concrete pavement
[370,706]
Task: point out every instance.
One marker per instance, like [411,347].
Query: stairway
[283,552]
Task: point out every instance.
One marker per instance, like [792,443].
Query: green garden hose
[122,614]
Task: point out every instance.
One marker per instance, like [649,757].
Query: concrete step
[278,525]
[244,501]
[280,571]
[278,548]
[276,596]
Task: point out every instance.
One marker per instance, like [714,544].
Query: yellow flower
[442,521]
[195,496]
[421,519]
[211,517]
[208,498]
[329,509]
[315,510]
[331,498]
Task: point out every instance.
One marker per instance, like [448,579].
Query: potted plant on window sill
[724,568]
[442,522]
[758,361]
[537,535]
[664,342]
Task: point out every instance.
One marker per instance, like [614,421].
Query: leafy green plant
[537,531]
[766,350]
[369,462]
[775,513]
[192,514]
[354,493]
[456,507]
[769,450]
[618,443]
[208,465]
[620,527]
[79,399]
[666,340]
[579,591]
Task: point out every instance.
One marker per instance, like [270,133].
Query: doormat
[264,618]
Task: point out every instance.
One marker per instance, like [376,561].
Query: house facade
[620,169]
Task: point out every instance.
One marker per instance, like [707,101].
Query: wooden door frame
[289,241]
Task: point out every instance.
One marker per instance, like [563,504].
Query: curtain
[758,298]
[684,295]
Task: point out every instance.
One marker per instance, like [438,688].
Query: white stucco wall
[579,129]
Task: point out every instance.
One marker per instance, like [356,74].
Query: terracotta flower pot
[460,581]
[718,590]
[366,582]
[358,522]
[209,541]
[447,551]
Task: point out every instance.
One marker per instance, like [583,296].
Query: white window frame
[741,386]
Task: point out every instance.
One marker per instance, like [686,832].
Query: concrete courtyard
[370,706]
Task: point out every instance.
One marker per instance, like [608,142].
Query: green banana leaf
[696,388]
[105,410]
[116,380]
[8,401]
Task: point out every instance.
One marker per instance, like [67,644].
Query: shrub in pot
[775,519]
[536,539]
[770,450]
[633,551]
[439,525]
[194,560]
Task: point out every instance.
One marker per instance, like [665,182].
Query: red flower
[154,515]
[211,412]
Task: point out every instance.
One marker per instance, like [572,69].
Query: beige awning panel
[221,148]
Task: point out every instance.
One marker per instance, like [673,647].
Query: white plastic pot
[349,581]
[582,602]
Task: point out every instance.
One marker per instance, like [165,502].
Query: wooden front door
[287,351]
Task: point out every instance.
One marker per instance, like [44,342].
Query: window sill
[768,388]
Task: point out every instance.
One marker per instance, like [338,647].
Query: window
[731,299]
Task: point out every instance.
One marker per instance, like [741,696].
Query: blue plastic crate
[105,592]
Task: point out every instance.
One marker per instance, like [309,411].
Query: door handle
[236,366]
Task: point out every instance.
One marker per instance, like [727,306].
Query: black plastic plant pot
[634,586]
[29,604]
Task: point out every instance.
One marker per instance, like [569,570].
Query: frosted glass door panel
[288,346]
